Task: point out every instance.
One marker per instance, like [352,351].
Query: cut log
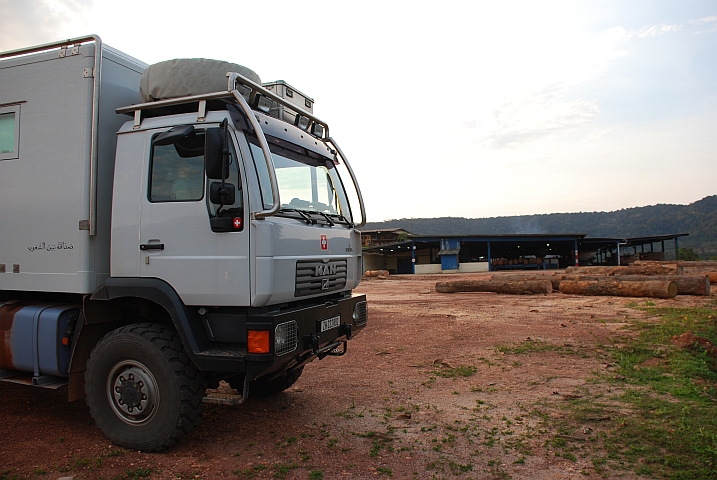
[668,269]
[686,284]
[376,273]
[517,277]
[709,264]
[620,288]
[699,267]
[520,287]
[712,274]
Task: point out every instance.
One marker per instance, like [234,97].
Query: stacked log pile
[619,286]
[667,269]
[685,284]
[704,267]
[643,279]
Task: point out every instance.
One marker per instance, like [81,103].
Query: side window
[177,171]
[9,132]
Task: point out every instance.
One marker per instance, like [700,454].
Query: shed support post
[413,258]
[577,262]
[490,268]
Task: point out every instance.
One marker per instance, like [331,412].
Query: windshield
[308,184]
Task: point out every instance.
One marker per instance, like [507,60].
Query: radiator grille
[316,276]
[286,338]
[361,313]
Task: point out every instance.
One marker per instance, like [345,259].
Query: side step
[222,399]
[24,378]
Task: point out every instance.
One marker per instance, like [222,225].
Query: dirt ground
[426,391]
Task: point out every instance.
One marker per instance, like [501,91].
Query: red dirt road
[424,392]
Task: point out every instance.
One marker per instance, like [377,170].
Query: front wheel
[142,390]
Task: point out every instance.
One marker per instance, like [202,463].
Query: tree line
[699,219]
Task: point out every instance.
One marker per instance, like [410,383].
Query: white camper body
[47,189]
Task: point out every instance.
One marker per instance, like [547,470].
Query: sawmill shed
[401,252]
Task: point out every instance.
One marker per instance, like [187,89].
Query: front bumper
[296,335]
[300,335]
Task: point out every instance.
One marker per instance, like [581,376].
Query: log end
[672,290]
[445,287]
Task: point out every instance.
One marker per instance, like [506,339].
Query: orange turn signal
[258,341]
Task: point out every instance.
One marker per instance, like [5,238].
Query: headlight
[286,337]
[360,314]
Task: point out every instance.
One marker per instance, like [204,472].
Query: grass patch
[661,419]
[538,346]
[455,372]
[251,472]
[281,470]
[384,471]
[135,474]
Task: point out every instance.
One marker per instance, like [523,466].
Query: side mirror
[219,195]
[173,135]
[214,151]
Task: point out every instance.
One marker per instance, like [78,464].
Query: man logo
[324,284]
[322,270]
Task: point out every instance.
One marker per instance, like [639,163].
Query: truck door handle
[151,246]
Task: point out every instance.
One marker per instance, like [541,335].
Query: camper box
[57,147]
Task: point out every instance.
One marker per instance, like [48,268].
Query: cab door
[177,243]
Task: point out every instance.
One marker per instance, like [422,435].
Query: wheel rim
[132,392]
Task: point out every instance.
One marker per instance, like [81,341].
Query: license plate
[330,323]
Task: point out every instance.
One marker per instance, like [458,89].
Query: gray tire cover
[188,76]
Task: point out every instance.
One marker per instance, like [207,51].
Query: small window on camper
[177,170]
[9,132]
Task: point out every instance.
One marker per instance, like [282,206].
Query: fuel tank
[36,337]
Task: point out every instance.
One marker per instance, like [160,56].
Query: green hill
[699,219]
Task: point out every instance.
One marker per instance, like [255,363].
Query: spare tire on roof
[188,76]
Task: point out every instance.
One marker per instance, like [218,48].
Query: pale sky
[458,108]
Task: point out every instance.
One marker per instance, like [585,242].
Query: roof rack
[252,92]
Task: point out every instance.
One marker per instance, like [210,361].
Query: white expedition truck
[163,228]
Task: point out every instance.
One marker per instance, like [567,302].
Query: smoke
[33,22]
[525,226]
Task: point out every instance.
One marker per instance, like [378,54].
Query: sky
[458,108]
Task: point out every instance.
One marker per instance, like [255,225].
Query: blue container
[35,340]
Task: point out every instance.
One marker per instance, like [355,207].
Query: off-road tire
[268,388]
[142,390]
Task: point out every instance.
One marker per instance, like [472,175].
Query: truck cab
[228,223]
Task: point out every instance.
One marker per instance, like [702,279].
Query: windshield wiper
[331,222]
[341,219]
[306,216]
[301,213]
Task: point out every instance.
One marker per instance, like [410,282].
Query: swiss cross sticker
[324,243]
[237,223]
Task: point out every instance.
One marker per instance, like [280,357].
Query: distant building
[401,252]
